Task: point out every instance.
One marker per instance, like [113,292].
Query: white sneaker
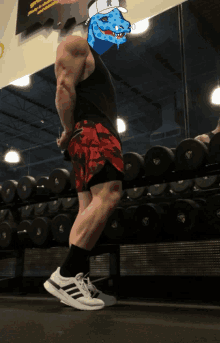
[108,300]
[64,288]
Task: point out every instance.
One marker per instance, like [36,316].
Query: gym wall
[26,53]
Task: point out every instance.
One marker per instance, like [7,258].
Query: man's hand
[63,142]
[203,138]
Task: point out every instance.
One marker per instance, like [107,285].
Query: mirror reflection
[166,78]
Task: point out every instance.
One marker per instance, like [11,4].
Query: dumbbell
[145,222]
[136,192]
[27,211]
[70,203]
[185,215]
[191,154]
[158,161]
[40,232]
[61,227]
[13,237]
[133,166]
[55,206]
[182,186]
[115,228]
[41,208]
[60,181]
[160,189]
[29,188]
[200,155]
[3,215]
[8,235]
[206,182]
[9,191]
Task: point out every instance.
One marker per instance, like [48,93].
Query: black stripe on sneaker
[54,284]
[92,295]
[67,287]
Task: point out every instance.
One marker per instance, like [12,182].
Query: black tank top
[96,98]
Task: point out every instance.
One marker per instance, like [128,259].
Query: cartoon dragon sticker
[106,25]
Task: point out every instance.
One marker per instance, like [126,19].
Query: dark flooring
[44,319]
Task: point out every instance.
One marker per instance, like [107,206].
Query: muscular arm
[65,104]
[69,67]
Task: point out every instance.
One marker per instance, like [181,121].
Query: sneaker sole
[60,294]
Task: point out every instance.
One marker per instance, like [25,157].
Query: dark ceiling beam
[22,96]
[17,93]
[14,117]
[21,137]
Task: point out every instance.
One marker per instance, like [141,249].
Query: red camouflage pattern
[89,148]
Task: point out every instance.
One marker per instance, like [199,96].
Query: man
[86,103]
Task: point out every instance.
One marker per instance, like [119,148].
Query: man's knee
[116,191]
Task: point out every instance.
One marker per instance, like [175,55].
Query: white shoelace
[89,284]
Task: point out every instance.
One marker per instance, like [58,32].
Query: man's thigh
[107,173]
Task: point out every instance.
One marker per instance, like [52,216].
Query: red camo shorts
[96,155]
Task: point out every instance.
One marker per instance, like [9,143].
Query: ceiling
[163,79]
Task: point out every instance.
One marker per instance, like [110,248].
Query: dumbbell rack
[113,249]
[208,170]
[169,199]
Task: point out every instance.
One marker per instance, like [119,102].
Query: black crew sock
[75,262]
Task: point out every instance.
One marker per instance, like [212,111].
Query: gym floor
[45,319]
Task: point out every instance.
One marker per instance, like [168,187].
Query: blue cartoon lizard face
[107,29]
